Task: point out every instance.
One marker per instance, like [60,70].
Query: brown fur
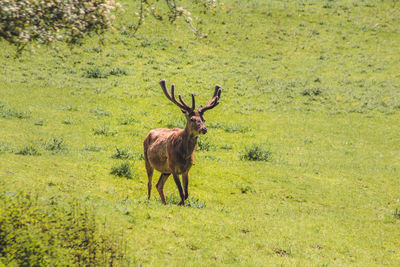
[170,151]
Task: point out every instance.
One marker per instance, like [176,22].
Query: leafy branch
[150,8]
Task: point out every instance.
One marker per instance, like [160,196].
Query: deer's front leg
[181,193]
[185,180]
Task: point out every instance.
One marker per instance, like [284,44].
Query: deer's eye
[192,119]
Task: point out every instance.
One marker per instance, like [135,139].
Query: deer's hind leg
[160,186]
[150,171]
[149,168]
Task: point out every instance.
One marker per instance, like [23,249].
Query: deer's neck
[189,142]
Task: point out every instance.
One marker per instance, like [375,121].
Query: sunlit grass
[310,88]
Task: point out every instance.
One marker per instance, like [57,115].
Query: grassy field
[313,85]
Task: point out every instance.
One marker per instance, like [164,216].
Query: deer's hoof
[182,203]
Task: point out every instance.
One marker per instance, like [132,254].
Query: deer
[170,151]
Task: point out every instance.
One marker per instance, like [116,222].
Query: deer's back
[155,148]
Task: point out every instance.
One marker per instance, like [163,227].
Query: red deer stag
[170,151]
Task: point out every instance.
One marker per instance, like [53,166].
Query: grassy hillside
[314,85]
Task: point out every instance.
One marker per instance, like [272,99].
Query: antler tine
[213,102]
[217,89]
[185,105]
[193,102]
[171,96]
[173,93]
[181,105]
[163,85]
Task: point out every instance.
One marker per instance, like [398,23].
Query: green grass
[317,81]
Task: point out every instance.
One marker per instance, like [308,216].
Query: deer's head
[195,119]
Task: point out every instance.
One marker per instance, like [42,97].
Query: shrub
[244,189]
[122,154]
[11,113]
[311,92]
[126,120]
[95,73]
[28,150]
[122,170]
[204,145]
[126,153]
[35,21]
[37,232]
[55,145]
[101,112]
[39,123]
[68,121]
[118,71]
[256,153]
[104,130]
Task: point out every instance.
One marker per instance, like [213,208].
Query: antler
[182,105]
[213,102]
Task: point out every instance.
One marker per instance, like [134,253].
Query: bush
[37,232]
[127,120]
[96,73]
[118,71]
[28,150]
[122,170]
[105,130]
[11,113]
[122,154]
[204,145]
[256,153]
[39,21]
[55,145]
